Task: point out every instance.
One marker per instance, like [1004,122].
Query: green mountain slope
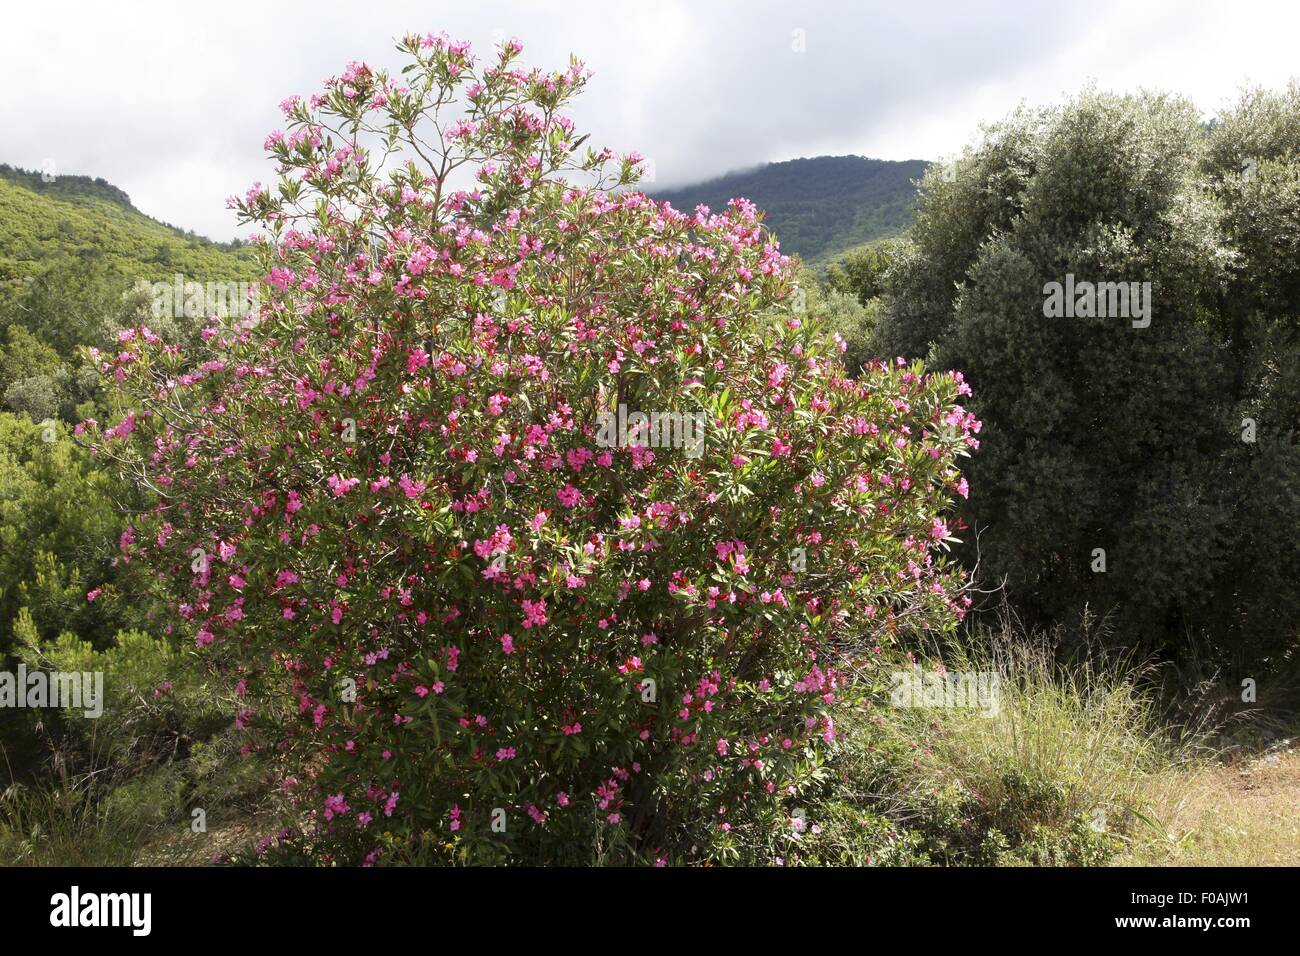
[819,207]
[82,218]
[71,248]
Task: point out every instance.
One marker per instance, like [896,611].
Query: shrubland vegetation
[360,574]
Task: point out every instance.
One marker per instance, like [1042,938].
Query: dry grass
[1088,730]
[1241,814]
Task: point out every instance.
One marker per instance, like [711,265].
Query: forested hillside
[76,217]
[817,207]
[71,250]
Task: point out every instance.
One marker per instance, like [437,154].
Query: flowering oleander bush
[464,625]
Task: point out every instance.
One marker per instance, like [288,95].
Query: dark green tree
[1168,446]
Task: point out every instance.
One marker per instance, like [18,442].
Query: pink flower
[534,614]
[122,429]
[341,486]
[413,489]
[335,806]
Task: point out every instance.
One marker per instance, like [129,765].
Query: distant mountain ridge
[821,207]
[65,187]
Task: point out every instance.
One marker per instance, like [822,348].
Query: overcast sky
[171,101]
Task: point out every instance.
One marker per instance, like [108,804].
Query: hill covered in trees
[77,217]
[72,247]
[817,207]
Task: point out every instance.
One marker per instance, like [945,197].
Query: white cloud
[172,103]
